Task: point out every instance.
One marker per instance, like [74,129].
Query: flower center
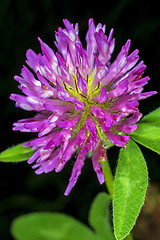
[89,99]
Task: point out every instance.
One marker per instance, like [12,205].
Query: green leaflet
[130,187]
[16,154]
[152,118]
[50,226]
[148,132]
[99,217]
[58,226]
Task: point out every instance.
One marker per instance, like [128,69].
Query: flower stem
[110,183]
[108,177]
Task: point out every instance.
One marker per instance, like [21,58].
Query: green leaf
[148,132]
[130,187]
[16,154]
[50,226]
[55,226]
[152,118]
[99,216]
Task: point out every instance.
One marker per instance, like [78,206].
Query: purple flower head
[84,101]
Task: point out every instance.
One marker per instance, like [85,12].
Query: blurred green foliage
[53,226]
[21,22]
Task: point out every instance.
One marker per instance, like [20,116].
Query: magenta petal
[50,164]
[82,84]
[78,166]
[146,94]
[71,148]
[91,127]
[97,155]
[34,156]
[47,51]
[62,94]
[81,137]
[21,102]
[102,114]
[69,123]
[105,46]
[56,106]
[103,97]
[126,107]
[75,172]
[97,112]
[118,140]
[128,125]
[32,60]
[119,90]
[78,105]
[91,42]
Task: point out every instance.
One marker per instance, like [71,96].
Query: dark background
[21,22]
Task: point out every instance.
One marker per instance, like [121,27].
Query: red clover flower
[84,102]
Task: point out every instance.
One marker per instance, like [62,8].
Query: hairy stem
[108,177]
